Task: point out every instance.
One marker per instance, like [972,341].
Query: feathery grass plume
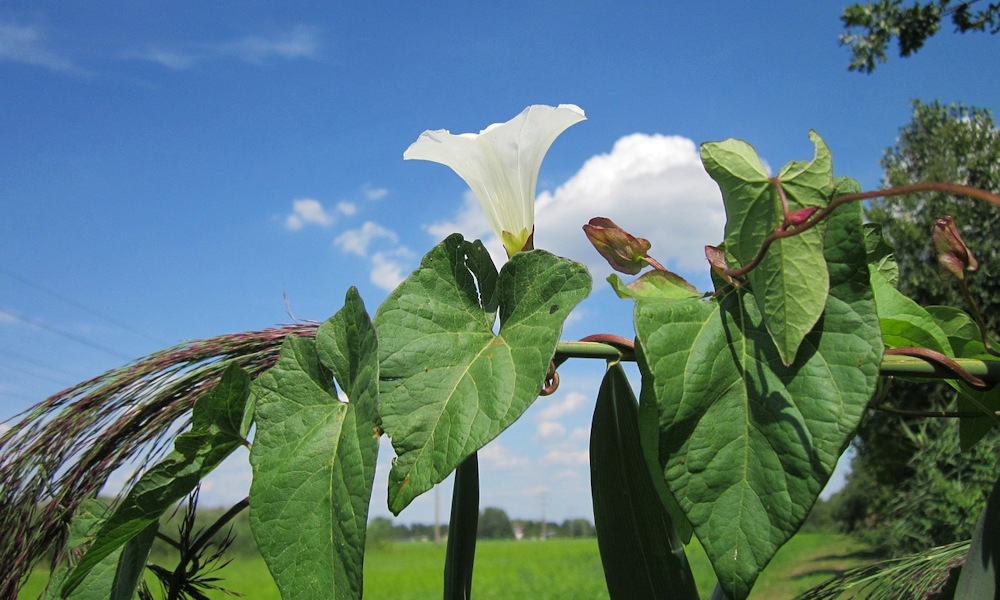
[925,576]
[63,449]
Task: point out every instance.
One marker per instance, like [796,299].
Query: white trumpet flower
[500,164]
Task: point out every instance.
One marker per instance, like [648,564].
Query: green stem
[901,366]
[462,529]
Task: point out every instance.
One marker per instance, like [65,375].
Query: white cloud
[550,429]
[347,208]
[389,269]
[25,44]
[563,407]
[307,211]
[374,193]
[652,185]
[356,241]
[297,42]
[580,433]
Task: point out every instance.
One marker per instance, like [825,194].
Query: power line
[35,373]
[66,299]
[40,364]
[65,334]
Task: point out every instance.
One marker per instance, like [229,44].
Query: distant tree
[820,519]
[574,528]
[494,524]
[880,22]
[954,144]
[381,533]
[911,487]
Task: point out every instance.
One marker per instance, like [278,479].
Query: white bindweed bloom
[500,164]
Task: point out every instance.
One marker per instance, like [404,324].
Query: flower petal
[501,162]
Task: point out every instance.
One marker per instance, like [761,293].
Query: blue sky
[172,171]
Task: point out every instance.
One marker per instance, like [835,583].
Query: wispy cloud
[550,429]
[563,407]
[28,45]
[307,211]
[297,42]
[347,208]
[374,193]
[497,456]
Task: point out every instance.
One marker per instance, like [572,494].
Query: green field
[556,569]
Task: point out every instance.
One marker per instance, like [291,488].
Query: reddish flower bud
[952,253]
[623,251]
[798,217]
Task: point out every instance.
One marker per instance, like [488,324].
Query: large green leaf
[641,551]
[449,383]
[313,457]
[746,443]
[215,433]
[791,283]
[116,575]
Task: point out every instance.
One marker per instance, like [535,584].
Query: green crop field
[555,569]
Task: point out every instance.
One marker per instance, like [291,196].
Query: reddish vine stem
[942,360]
[933,186]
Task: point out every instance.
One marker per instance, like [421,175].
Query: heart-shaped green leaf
[746,443]
[791,283]
[313,457]
[449,383]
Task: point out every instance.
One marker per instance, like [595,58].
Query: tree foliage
[870,27]
[911,486]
